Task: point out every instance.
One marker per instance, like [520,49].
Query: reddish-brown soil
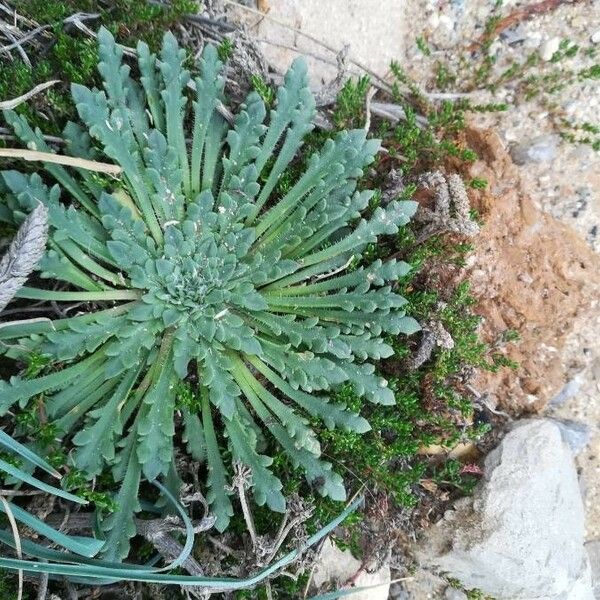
[530,273]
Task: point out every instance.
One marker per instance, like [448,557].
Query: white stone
[434,20]
[447,22]
[335,567]
[548,48]
[595,37]
[521,535]
[593,550]
[540,149]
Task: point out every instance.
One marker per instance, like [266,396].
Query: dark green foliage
[264,90]
[423,46]
[350,104]
[9,585]
[71,56]
[225,50]
[478,183]
[449,474]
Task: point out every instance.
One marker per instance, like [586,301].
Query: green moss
[423,46]
[225,50]
[263,89]
[450,474]
[478,183]
[9,586]
[71,56]
[350,105]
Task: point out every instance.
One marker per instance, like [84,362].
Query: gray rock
[548,48]
[593,550]
[577,435]
[570,389]
[514,35]
[520,537]
[540,149]
[398,592]
[335,567]
[454,594]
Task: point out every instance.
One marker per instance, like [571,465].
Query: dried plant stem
[71,161]
[25,38]
[17,538]
[23,254]
[282,535]
[10,104]
[43,586]
[372,91]
[247,514]
[14,493]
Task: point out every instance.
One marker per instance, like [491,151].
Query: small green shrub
[194,271]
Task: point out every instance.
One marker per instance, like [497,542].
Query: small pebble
[595,37]
[569,390]
[434,20]
[446,22]
[576,435]
[514,35]
[540,149]
[548,48]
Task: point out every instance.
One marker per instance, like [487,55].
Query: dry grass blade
[17,538]
[10,104]
[71,161]
[25,38]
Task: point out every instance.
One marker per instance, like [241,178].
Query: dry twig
[241,480]
[522,14]
[10,104]
[71,161]
[17,538]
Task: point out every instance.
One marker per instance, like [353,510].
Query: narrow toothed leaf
[266,487]
[175,78]
[193,435]
[96,441]
[209,92]
[218,495]
[156,426]
[119,526]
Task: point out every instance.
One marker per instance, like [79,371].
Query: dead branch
[517,16]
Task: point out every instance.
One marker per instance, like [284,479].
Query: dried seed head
[23,254]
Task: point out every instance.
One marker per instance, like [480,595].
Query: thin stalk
[241,489]
[71,161]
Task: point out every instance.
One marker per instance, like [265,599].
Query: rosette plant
[193,265]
